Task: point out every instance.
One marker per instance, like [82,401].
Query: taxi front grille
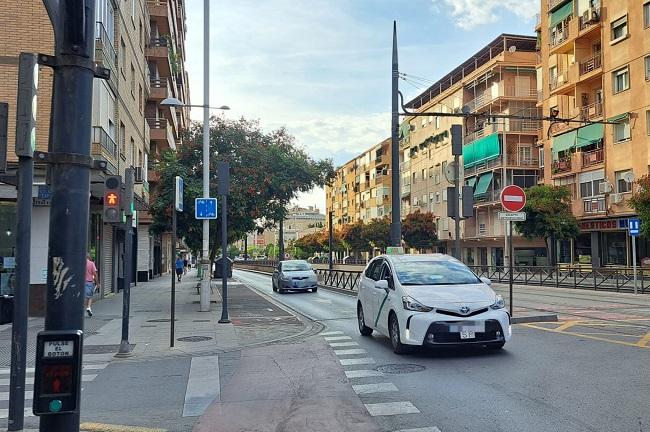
[441,334]
[458,314]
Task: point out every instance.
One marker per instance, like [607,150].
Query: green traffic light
[55,405]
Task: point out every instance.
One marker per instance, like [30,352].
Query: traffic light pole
[127,202]
[396,201]
[70,137]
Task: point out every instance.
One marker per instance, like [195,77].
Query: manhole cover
[194,339]
[398,369]
[161,320]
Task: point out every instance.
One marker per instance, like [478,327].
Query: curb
[533,318]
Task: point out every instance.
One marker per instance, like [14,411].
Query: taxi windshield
[434,273]
[295,266]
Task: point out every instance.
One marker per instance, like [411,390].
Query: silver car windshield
[297,266]
[434,273]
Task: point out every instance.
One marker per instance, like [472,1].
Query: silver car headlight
[285,278]
[499,303]
[413,305]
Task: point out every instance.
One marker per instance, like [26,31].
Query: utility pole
[457,151]
[127,203]
[70,134]
[331,238]
[205,258]
[223,173]
[396,221]
[281,238]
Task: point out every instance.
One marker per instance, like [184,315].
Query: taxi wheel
[395,339]
[363,329]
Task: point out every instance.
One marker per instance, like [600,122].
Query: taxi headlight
[499,303]
[413,305]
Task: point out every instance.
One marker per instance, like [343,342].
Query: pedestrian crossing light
[112,213]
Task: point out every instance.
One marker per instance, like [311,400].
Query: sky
[322,68]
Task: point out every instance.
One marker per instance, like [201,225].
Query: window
[424,199]
[621,80]
[140,98]
[414,176]
[122,54]
[647,122]
[590,183]
[622,130]
[122,140]
[541,157]
[133,10]
[436,176]
[647,68]
[525,155]
[141,36]
[437,197]
[444,195]
[622,185]
[646,15]
[427,272]
[437,122]
[424,174]
[132,152]
[619,29]
[132,80]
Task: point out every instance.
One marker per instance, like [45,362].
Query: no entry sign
[513,198]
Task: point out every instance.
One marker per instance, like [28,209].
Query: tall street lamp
[205,261]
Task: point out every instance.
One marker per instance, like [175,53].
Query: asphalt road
[542,381]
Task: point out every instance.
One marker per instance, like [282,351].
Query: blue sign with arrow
[633,227]
[205,208]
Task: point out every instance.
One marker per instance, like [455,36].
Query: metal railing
[557,37]
[559,80]
[593,157]
[591,64]
[593,110]
[105,53]
[100,136]
[159,42]
[158,82]
[561,166]
[489,95]
[594,205]
[157,123]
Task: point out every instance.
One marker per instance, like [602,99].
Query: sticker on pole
[634,227]
[205,208]
[513,198]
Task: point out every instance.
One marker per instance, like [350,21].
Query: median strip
[101,427]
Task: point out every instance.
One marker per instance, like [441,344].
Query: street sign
[512,216]
[205,208]
[634,226]
[178,199]
[513,198]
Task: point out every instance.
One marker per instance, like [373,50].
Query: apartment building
[361,188]
[500,79]
[595,66]
[300,222]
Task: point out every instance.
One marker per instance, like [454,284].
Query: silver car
[294,275]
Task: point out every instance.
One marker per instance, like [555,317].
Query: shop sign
[603,225]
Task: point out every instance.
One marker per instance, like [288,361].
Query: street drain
[398,369]
[194,339]
[161,320]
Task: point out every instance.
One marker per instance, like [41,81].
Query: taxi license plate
[467,334]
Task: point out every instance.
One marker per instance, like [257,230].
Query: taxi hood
[436,295]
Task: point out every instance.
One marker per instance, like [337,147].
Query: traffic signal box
[112,199]
[58,372]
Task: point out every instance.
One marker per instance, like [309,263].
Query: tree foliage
[419,230]
[267,171]
[353,237]
[640,202]
[377,232]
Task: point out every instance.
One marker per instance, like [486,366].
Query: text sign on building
[205,208]
[513,198]
[513,216]
[634,227]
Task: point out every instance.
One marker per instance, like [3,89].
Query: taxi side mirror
[382,284]
[486,281]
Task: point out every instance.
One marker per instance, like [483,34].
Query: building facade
[595,66]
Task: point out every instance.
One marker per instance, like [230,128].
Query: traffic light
[26,105]
[112,189]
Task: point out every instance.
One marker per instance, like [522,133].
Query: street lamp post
[173,102]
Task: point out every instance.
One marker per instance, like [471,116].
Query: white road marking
[95,366]
[391,408]
[343,344]
[356,361]
[374,388]
[424,429]
[203,385]
[7,371]
[349,352]
[90,377]
[337,338]
[330,333]
[362,373]
[4,413]
[29,395]
[30,379]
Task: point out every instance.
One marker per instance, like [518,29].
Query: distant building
[299,223]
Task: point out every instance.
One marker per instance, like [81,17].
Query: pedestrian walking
[179,267]
[92,283]
[185,266]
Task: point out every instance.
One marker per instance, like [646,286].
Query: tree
[353,236]
[548,215]
[377,233]
[309,244]
[419,231]
[640,202]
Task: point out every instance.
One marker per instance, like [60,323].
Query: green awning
[564,142]
[618,117]
[471,181]
[483,184]
[481,150]
[561,14]
[590,134]
[404,130]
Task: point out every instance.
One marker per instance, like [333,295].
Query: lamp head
[172,102]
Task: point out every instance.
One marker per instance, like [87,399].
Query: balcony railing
[489,197]
[559,80]
[561,166]
[525,126]
[406,190]
[158,82]
[553,3]
[557,37]
[159,42]
[157,123]
[591,111]
[405,166]
[489,95]
[105,53]
[591,64]
[594,205]
[593,157]
[100,136]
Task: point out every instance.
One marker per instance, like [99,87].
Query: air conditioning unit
[616,198]
[605,188]
[594,14]
[561,79]
[139,174]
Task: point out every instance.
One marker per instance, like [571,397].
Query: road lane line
[424,429]
[350,352]
[586,336]
[644,340]
[356,361]
[364,373]
[374,388]
[566,325]
[331,333]
[391,408]
[337,338]
[203,385]
[343,344]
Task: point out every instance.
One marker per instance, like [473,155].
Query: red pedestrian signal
[112,199]
[112,211]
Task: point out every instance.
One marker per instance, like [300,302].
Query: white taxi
[430,300]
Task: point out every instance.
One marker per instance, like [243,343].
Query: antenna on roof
[512,48]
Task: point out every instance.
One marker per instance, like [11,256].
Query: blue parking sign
[634,226]
[205,208]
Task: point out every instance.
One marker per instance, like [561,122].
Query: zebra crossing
[369,384]
[89,373]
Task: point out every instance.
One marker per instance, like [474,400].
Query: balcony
[561,166]
[158,51]
[590,18]
[152,173]
[406,190]
[104,148]
[594,205]
[159,89]
[161,133]
[503,91]
[492,196]
[591,64]
[405,166]
[105,54]
[593,157]
[513,126]
[591,111]
[553,3]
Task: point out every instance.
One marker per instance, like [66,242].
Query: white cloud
[472,13]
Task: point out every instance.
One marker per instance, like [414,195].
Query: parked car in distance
[432,300]
[294,275]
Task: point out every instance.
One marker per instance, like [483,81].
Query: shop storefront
[602,242]
[7,247]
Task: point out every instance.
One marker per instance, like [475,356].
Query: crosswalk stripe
[30,380]
[374,388]
[349,352]
[391,408]
[4,413]
[423,429]
[337,338]
[356,361]
[203,385]
[29,395]
[330,333]
[343,344]
[362,373]
[31,370]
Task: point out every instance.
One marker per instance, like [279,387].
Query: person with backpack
[179,267]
